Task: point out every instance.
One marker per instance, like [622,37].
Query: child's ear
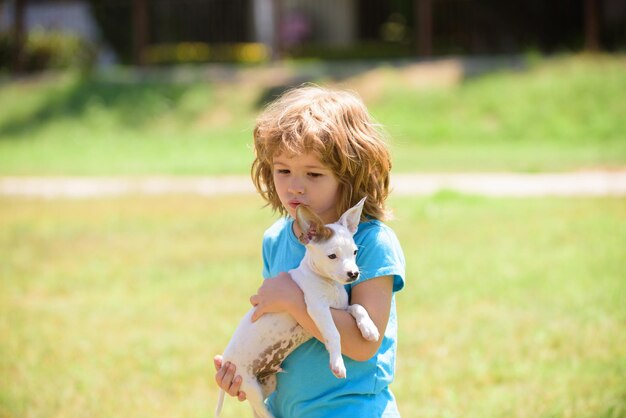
[351,218]
[311,225]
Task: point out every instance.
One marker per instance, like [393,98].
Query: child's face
[303,179]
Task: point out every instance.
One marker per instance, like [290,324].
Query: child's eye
[332,256]
[315,175]
[282,171]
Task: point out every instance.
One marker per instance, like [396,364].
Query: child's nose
[296,187]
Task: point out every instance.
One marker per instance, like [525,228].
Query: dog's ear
[312,227]
[351,218]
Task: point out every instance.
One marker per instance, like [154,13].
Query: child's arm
[281,294]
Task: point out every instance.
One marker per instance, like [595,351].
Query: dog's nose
[353,275]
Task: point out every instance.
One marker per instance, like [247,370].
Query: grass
[71,125]
[115,307]
[555,115]
[561,113]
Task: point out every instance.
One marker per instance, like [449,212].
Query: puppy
[257,349]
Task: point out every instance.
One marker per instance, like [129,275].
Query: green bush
[45,49]
[6,48]
[195,52]
[362,50]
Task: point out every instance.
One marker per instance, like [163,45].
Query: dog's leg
[324,320]
[254,394]
[368,329]
[268,385]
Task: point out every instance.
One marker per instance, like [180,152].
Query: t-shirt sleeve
[265,253]
[380,254]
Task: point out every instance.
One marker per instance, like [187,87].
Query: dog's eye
[356,251]
[332,256]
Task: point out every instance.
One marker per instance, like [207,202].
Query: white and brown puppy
[257,349]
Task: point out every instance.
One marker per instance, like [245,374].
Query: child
[321,148]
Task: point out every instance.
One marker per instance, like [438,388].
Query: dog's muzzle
[352,276]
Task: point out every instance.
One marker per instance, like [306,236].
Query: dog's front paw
[368,330]
[338,368]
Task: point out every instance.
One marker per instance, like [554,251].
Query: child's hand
[226,379]
[279,294]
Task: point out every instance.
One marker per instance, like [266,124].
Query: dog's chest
[319,291]
[337,297]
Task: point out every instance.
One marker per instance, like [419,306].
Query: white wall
[332,21]
[69,16]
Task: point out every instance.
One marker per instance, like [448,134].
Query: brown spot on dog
[316,234]
[270,359]
[313,228]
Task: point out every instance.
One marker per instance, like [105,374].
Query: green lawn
[561,113]
[115,307]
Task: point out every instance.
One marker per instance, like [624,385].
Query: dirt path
[581,183]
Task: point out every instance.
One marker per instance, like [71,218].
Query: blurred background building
[152,32]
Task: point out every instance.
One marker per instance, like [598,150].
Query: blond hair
[337,127]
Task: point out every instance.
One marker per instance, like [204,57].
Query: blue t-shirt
[307,387]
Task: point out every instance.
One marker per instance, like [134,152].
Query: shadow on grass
[339,71]
[130,105]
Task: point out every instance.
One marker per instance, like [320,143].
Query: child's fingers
[241,396]
[258,312]
[220,377]
[227,380]
[217,362]
[235,386]
[235,381]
